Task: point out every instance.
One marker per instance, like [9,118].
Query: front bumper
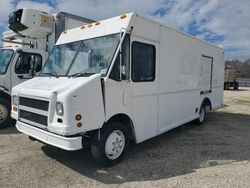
[70,144]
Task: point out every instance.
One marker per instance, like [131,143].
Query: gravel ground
[214,155]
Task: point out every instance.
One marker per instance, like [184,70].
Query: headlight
[59,108]
[15,100]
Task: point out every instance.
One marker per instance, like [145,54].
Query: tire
[202,116]
[236,86]
[5,110]
[112,146]
[225,86]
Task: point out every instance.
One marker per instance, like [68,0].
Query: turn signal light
[78,117]
[15,109]
[58,17]
[123,16]
[79,125]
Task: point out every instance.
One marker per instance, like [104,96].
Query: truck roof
[111,26]
[96,29]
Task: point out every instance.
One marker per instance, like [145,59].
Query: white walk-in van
[121,79]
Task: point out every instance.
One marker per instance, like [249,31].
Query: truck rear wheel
[5,109]
[226,86]
[202,115]
[110,149]
[236,86]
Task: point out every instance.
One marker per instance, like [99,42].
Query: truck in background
[26,47]
[230,78]
[118,80]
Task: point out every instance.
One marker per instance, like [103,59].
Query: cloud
[6,7]
[231,20]
[35,5]
[100,9]
[223,22]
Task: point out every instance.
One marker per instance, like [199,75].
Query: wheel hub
[115,144]
[202,114]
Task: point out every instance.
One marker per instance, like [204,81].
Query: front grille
[34,103]
[37,118]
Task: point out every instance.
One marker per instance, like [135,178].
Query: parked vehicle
[26,47]
[230,78]
[121,79]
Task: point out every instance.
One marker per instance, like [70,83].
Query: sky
[221,22]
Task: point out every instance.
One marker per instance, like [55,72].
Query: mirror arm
[117,51]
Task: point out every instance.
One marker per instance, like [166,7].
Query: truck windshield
[82,58]
[5,57]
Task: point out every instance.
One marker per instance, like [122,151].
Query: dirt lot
[214,155]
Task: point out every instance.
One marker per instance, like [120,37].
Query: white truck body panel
[171,100]
[187,71]
[10,35]
[38,24]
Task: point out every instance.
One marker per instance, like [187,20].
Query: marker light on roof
[58,17]
[123,16]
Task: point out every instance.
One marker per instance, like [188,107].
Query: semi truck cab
[17,65]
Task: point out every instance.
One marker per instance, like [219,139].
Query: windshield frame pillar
[116,53]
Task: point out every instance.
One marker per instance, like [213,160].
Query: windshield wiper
[49,73]
[79,74]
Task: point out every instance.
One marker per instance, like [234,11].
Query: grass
[241,101]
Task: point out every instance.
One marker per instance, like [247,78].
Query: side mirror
[103,72]
[123,70]
[19,51]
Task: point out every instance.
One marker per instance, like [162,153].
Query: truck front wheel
[112,144]
[5,119]
[202,116]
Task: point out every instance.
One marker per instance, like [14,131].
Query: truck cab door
[25,67]
[5,81]
[117,84]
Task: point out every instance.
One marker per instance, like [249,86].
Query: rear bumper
[70,144]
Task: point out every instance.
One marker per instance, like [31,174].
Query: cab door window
[143,62]
[24,63]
